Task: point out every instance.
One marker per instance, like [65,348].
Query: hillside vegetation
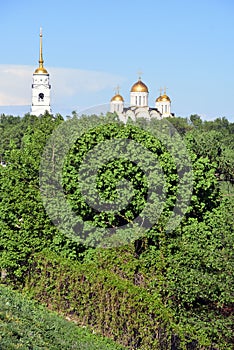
[27,325]
[166,280]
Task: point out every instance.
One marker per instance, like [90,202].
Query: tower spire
[41,69]
[41,61]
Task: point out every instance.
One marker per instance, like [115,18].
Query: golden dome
[163,98]
[41,70]
[117,98]
[159,99]
[139,87]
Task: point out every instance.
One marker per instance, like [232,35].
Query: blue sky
[89,47]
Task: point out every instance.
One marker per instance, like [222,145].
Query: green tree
[195,120]
[25,227]
[181,124]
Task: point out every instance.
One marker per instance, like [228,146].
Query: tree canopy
[134,176]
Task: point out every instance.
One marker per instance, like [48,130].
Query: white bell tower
[40,87]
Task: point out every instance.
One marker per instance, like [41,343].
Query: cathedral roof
[117,97]
[41,70]
[139,86]
[163,98]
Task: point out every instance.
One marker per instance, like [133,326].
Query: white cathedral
[139,107]
[138,97]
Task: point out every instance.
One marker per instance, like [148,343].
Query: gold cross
[160,90]
[139,74]
[165,90]
[116,89]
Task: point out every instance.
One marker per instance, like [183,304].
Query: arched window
[40,97]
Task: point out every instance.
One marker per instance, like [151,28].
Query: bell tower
[40,87]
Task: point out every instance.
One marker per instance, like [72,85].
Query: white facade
[135,113]
[40,87]
[139,99]
[40,94]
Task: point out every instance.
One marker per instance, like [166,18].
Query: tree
[25,227]
[181,124]
[189,264]
[217,146]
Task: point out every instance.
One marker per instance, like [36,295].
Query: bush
[109,304]
[26,325]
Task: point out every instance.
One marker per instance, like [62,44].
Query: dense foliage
[109,304]
[186,273]
[27,325]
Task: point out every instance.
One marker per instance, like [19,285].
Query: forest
[124,229]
